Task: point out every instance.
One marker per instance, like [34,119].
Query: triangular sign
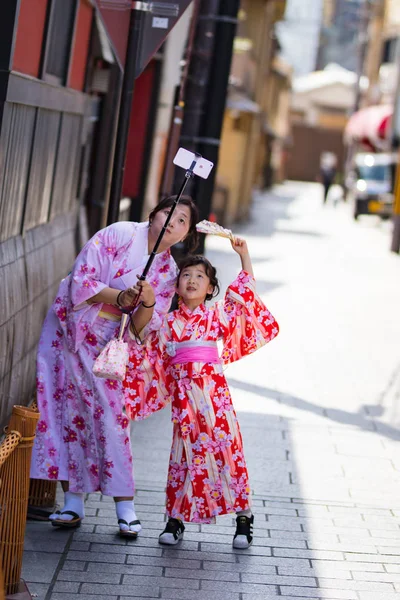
[158,20]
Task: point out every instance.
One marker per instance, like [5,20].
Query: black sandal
[74,522]
[128,532]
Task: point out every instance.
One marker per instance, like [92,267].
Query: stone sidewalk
[319,411]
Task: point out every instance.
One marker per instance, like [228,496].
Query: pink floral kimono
[83,435]
[207,473]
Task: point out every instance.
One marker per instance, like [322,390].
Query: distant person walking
[328,168]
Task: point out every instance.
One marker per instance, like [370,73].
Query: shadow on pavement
[343,417]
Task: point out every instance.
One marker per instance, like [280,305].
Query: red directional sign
[158,20]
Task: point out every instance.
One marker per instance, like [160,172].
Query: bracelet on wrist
[148,306]
[118,297]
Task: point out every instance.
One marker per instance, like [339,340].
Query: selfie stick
[188,175]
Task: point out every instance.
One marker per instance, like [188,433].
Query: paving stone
[237,568]
[89,577]
[205,548]
[39,567]
[80,546]
[66,586]
[278,580]
[368,576]
[248,561]
[225,586]
[372,558]
[168,582]
[228,573]
[392,568]
[125,569]
[121,590]
[37,590]
[167,561]
[72,565]
[177,554]
[196,595]
[135,548]
[391,550]
[378,596]
[319,593]
[68,596]
[389,534]
[96,557]
[338,584]
[348,564]
[320,571]
[315,553]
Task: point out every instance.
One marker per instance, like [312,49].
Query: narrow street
[320,415]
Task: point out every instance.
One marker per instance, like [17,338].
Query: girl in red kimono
[207,473]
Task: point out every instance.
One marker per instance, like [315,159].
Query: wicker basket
[14,490]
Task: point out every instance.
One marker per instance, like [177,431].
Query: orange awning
[370,126]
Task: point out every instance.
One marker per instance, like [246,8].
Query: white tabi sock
[126,510]
[73,502]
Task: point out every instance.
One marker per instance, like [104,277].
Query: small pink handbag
[112,360]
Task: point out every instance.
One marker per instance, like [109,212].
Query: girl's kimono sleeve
[145,390]
[164,297]
[245,322]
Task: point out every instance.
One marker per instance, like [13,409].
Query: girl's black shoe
[243,537]
[172,533]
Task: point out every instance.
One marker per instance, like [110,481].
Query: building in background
[339,35]
[56,99]
[255,130]
[299,34]
[320,107]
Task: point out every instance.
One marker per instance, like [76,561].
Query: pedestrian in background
[328,167]
[82,437]
[207,474]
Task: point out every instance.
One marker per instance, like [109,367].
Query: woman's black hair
[211,272]
[192,238]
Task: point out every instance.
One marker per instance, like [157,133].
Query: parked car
[370,184]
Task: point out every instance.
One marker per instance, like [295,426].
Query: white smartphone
[184,158]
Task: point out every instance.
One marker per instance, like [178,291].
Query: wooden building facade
[55,83]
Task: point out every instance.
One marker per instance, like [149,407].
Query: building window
[60,31]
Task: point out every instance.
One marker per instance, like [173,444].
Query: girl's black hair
[211,272]
[192,238]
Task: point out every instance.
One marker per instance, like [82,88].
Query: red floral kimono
[207,473]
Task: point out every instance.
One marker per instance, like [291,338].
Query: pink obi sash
[110,308]
[193,351]
[110,312]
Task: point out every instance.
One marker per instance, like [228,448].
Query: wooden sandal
[128,533]
[74,522]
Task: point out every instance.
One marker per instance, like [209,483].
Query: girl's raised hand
[240,246]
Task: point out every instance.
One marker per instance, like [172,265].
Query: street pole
[395,246]
[178,110]
[206,91]
[210,139]
[362,52]
[135,23]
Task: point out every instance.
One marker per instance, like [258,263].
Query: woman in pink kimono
[82,436]
[207,473]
